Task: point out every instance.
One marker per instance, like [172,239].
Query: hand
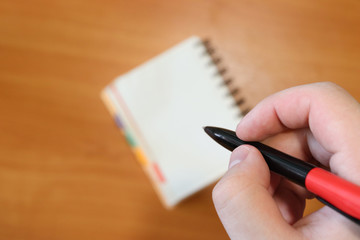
[317,123]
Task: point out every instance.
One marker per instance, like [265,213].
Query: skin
[317,123]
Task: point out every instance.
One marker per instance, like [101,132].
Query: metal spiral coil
[234,91]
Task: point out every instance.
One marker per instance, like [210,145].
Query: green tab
[130,139]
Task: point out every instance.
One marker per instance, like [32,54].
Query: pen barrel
[283,164]
[340,193]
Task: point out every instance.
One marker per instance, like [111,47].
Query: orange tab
[140,156]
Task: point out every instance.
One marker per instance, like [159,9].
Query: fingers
[290,199]
[327,224]
[317,150]
[321,107]
[242,199]
[328,111]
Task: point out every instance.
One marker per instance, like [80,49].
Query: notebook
[161,107]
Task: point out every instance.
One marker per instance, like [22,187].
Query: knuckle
[331,90]
[330,86]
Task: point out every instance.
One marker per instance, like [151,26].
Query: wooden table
[66,172]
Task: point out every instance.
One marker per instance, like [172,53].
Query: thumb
[243,202]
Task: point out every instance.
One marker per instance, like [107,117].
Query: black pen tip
[208,130]
[224,137]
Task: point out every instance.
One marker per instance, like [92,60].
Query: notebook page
[170,98]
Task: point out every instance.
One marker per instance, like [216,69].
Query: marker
[337,193]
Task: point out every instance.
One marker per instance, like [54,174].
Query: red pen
[339,194]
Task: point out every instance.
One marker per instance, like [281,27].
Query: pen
[339,194]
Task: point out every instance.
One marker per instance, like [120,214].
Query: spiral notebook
[161,107]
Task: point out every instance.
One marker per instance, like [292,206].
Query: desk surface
[65,171]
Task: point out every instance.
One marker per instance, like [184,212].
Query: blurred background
[66,172]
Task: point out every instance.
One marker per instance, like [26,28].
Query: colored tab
[118,121]
[130,139]
[158,173]
[109,104]
[140,156]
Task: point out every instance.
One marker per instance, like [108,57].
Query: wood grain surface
[66,172]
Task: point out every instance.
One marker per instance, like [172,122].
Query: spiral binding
[234,91]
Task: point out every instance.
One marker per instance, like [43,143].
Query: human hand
[316,122]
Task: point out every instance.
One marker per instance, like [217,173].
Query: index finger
[330,113]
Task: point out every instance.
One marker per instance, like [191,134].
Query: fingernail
[234,162]
[238,155]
